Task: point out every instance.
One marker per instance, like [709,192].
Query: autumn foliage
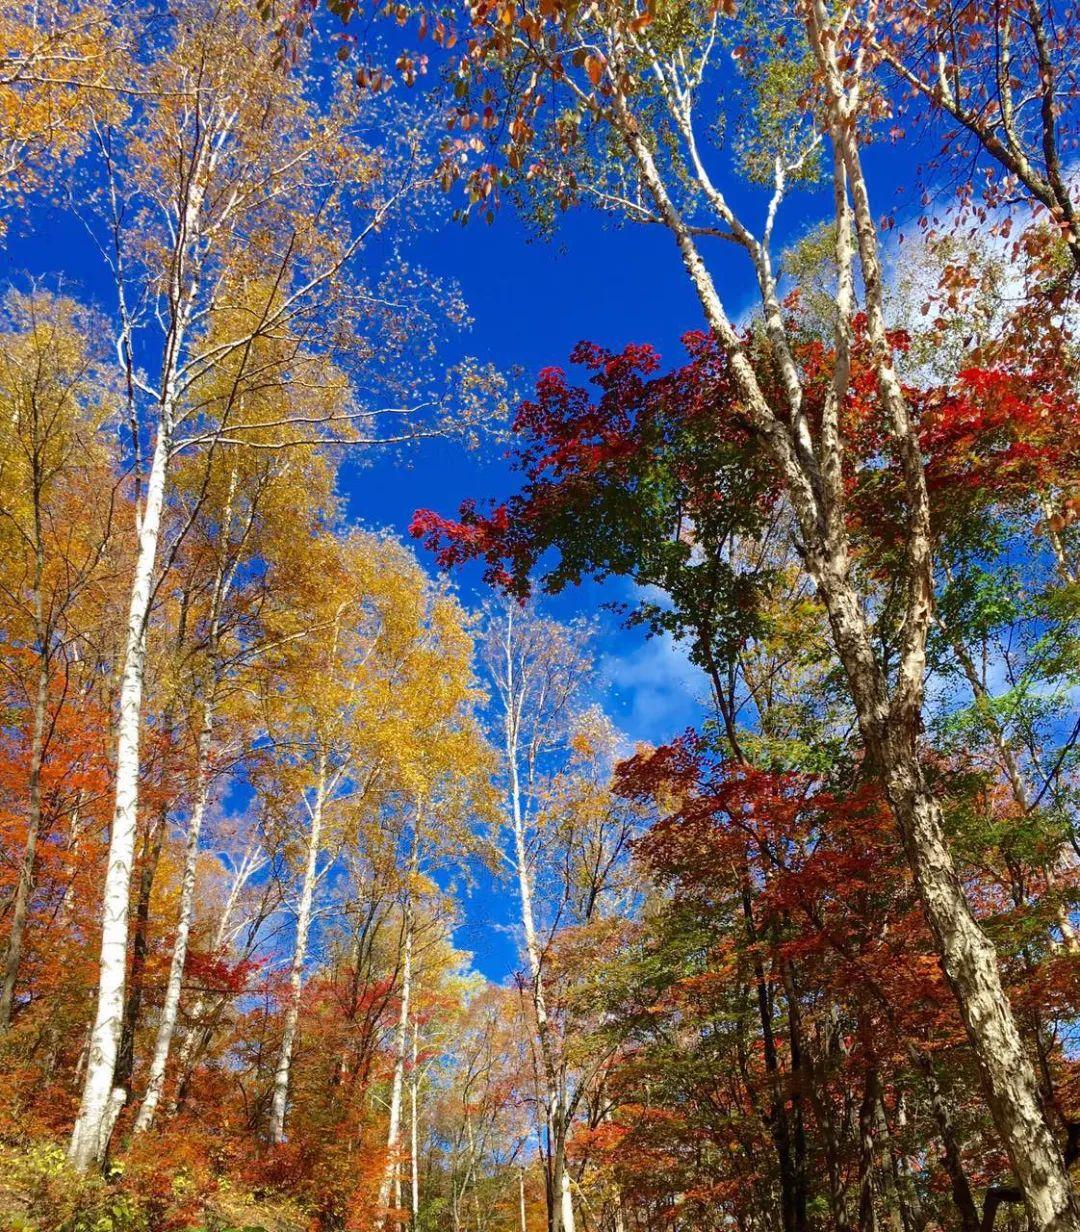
[336,898]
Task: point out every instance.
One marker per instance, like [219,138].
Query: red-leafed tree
[784,1032]
[656,475]
[642,112]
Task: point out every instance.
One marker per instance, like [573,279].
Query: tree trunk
[970,964]
[777,1118]
[93,1126]
[43,635]
[198,1036]
[618,1221]
[392,1172]
[565,1198]
[280,1098]
[867,1210]
[151,854]
[561,1212]
[963,1199]
[521,1201]
[798,1126]
[474,1168]
[968,956]
[414,1128]
[904,1206]
[25,887]
[562,1208]
[63,923]
[167,1026]
[890,731]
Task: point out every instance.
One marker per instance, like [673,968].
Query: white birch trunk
[170,1010]
[100,1106]
[414,1128]
[100,1103]
[185,1059]
[522,1215]
[280,1098]
[565,1199]
[474,1168]
[391,1175]
[968,956]
[562,1216]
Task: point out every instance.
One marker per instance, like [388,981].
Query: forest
[342,887]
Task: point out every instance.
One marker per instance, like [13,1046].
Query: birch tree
[479,1115]
[314,736]
[382,725]
[248,229]
[538,670]
[246,908]
[439,765]
[252,503]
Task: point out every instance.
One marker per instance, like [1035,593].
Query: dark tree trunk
[151,855]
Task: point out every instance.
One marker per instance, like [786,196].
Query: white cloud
[657,691]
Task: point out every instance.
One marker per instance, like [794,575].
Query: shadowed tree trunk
[150,856]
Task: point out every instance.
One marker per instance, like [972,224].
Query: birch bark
[390,1181]
[280,1098]
[199,1035]
[414,1127]
[223,578]
[167,1025]
[100,1103]
[522,1216]
[562,1215]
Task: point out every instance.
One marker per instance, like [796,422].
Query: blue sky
[531,302]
